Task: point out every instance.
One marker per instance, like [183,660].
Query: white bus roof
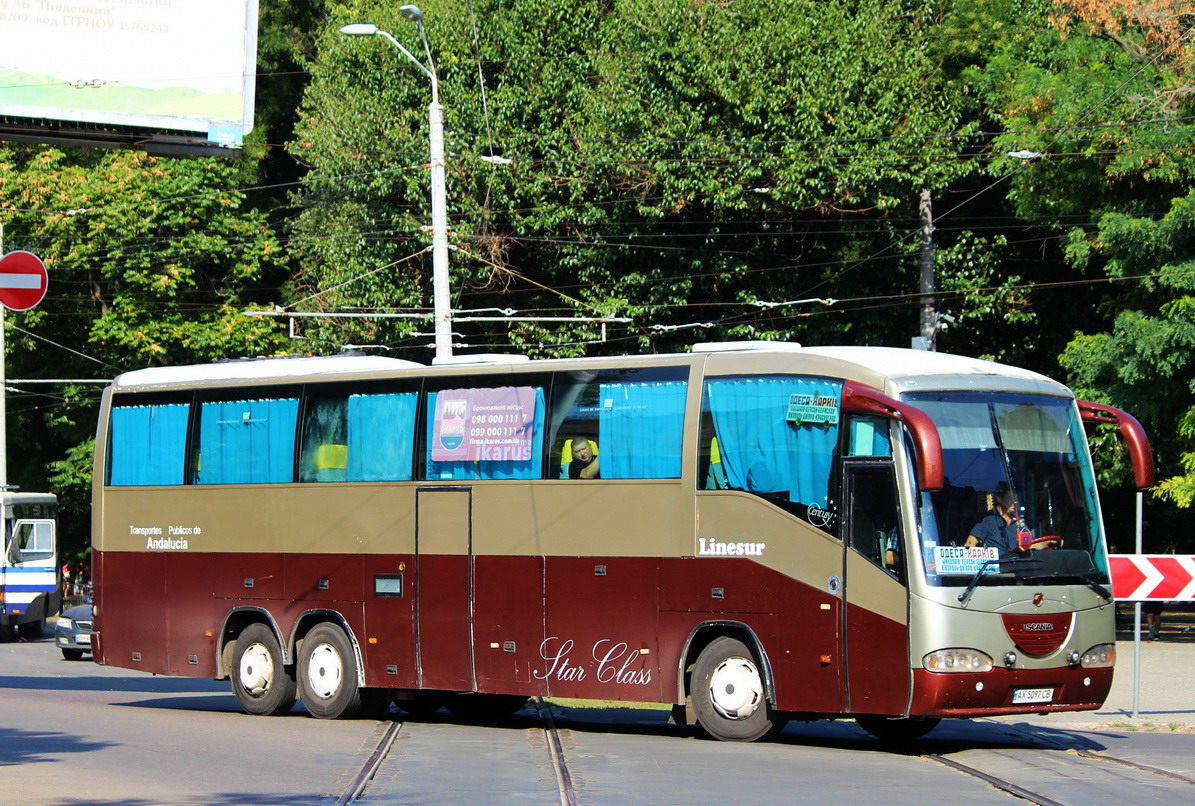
[895,361]
[258,369]
[893,369]
[9,497]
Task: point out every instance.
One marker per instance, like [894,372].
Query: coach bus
[761,532]
[29,586]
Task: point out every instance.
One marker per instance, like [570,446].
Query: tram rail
[1032,792]
[358,786]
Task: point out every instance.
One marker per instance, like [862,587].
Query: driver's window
[875,518]
[34,540]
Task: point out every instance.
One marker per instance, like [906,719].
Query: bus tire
[728,693]
[328,675]
[904,729]
[260,681]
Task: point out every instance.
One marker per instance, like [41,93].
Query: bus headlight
[1100,656]
[957,660]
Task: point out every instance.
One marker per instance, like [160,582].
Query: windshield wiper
[1087,579]
[966,594]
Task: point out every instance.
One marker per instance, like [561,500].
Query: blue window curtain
[247,441]
[488,469]
[149,445]
[381,437]
[641,428]
[762,451]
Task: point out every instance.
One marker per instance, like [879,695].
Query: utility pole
[929,317]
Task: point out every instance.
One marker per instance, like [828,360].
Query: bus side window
[247,441]
[359,437]
[636,415]
[34,540]
[485,433]
[147,444]
[775,436]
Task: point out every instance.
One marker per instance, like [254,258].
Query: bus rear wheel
[728,693]
[259,679]
[897,730]
[327,669]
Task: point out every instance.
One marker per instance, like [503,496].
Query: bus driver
[998,528]
[1002,527]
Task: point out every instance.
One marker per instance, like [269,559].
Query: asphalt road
[74,732]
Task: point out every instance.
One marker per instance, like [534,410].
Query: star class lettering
[613,662]
[711,548]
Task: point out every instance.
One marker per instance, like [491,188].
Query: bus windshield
[1019,505]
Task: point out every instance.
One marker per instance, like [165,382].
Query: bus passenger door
[443,588]
[875,613]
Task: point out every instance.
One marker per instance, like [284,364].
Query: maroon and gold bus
[751,532]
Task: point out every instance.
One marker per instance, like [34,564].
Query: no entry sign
[23,280]
[1153,577]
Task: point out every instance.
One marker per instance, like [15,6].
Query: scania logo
[1038,598]
[1038,626]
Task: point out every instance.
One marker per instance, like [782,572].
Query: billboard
[125,65]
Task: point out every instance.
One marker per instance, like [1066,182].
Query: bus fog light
[1100,656]
[1086,681]
[979,686]
[957,660]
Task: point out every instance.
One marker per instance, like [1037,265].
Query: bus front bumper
[1008,691]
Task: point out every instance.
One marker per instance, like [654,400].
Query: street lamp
[435,116]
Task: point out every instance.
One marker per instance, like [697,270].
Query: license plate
[83,638]
[1024,695]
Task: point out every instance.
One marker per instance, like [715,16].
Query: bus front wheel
[728,693]
[328,675]
[260,681]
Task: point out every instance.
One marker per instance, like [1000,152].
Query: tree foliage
[151,262]
[670,162]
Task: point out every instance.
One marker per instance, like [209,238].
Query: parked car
[73,632]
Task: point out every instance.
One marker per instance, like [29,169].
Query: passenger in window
[584,464]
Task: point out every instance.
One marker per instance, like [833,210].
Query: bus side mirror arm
[860,398]
[1134,436]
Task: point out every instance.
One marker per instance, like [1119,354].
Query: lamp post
[435,115]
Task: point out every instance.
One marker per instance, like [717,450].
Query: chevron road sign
[1153,577]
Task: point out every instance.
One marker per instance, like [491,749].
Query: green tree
[1106,98]
[673,162]
[151,262]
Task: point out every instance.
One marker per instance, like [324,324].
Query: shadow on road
[30,747]
[147,684]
